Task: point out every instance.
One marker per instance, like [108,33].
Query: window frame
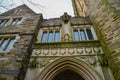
[5,47]
[16,21]
[79,28]
[4,22]
[47,35]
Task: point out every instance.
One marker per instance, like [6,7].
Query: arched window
[76,35]
[89,33]
[44,36]
[83,36]
[57,36]
[50,37]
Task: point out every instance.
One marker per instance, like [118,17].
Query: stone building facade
[105,16]
[84,47]
[17,28]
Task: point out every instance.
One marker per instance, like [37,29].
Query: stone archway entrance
[68,75]
[70,66]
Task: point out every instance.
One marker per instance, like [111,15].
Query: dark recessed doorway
[68,75]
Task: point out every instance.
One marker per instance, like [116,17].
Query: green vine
[33,64]
[103,60]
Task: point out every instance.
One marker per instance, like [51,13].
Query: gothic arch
[65,63]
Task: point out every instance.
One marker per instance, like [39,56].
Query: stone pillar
[66,28]
[79,7]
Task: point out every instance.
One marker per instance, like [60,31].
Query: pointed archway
[68,75]
[76,66]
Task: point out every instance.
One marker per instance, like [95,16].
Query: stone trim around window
[3,22]
[84,33]
[49,35]
[11,21]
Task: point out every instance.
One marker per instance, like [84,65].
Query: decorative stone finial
[65,17]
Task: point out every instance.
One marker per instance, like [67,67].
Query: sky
[49,8]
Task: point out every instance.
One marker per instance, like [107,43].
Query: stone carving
[45,51]
[88,50]
[97,50]
[54,51]
[66,37]
[62,51]
[43,62]
[67,51]
[79,50]
[71,51]
[37,52]
[92,60]
[65,18]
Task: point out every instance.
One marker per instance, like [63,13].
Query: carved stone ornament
[65,17]
[71,51]
[38,52]
[62,51]
[97,50]
[92,60]
[45,52]
[54,52]
[79,50]
[66,37]
[88,50]
[44,62]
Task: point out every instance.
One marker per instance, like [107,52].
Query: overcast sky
[55,8]
[49,8]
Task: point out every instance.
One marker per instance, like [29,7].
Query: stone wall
[13,64]
[106,20]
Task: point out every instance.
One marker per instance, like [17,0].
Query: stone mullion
[79,34]
[8,40]
[53,39]
[86,34]
[1,41]
[47,36]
